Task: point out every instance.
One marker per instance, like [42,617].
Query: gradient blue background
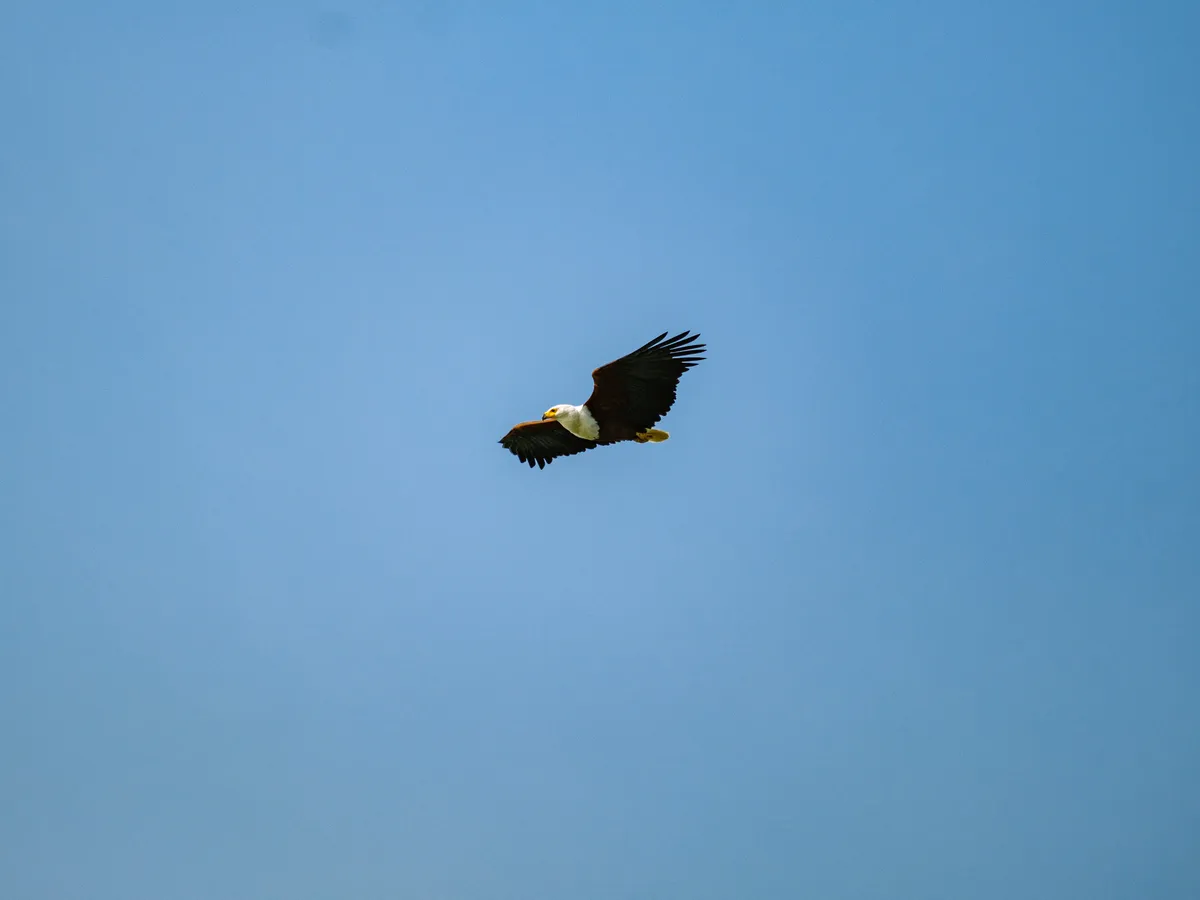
[907,607]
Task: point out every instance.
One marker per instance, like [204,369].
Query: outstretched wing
[639,389]
[539,443]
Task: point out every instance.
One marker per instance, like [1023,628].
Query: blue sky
[906,607]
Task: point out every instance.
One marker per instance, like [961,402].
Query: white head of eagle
[629,396]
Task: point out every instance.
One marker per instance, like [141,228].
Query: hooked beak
[549,414]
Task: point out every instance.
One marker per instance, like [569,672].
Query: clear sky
[908,605]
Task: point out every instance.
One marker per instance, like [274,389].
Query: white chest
[581,423]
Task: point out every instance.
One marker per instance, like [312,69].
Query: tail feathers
[653,435]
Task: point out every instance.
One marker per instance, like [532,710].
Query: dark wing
[538,443]
[639,389]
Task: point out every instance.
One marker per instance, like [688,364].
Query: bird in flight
[629,396]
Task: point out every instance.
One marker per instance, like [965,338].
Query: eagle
[629,396]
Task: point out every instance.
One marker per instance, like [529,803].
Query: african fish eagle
[629,395]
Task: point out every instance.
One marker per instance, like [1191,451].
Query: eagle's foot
[653,435]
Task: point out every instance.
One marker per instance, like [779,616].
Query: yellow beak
[549,414]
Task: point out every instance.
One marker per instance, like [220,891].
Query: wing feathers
[540,443]
[639,388]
